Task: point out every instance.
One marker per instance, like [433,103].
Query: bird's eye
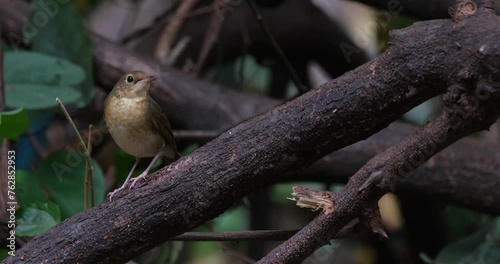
[130,79]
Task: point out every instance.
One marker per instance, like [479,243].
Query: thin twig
[160,21]
[171,30]
[178,50]
[246,44]
[295,78]
[263,235]
[89,181]
[196,134]
[259,235]
[88,165]
[211,36]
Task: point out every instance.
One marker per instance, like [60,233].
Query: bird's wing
[161,124]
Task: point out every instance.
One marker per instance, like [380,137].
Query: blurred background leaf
[33,80]
[62,176]
[66,36]
[13,124]
[39,68]
[481,247]
[37,218]
[37,96]
[28,189]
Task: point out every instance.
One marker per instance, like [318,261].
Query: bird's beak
[150,79]
[147,80]
[143,85]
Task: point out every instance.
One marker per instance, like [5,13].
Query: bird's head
[134,84]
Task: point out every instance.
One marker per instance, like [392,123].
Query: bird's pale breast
[132,130]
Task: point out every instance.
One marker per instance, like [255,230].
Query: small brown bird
[137,124]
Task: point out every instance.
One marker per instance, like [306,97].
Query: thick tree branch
[471,105]
[420,63]
[383,172]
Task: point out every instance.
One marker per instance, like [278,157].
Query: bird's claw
[111,194]
[136,179]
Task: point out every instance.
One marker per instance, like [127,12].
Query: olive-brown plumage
[137,124]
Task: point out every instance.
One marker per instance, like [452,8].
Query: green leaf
[37,218]
[33,80]
[38,96]
[28,189]
[26,67]
[481,247]
[462,222]
[62,176]
[13,124]
[66,36]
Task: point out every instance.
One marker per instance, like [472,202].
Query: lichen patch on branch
[313,199]
[462,10]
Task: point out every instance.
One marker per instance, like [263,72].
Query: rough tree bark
[471,105]
[422,61]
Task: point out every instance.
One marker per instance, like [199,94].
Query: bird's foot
[111,194]
[136,179]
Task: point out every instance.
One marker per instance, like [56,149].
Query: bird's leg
[145,173]
[111,194]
